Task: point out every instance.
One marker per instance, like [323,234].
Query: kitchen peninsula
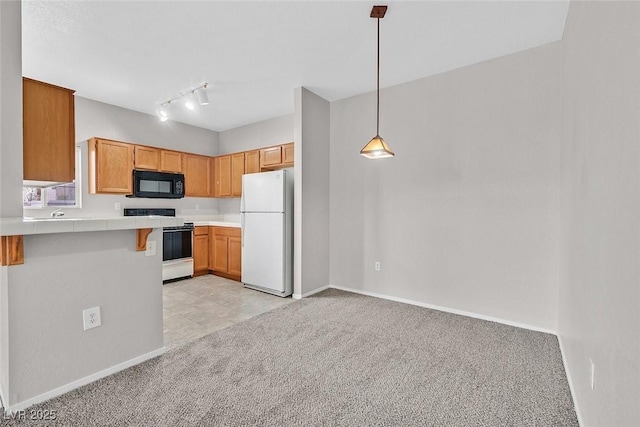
[70,265]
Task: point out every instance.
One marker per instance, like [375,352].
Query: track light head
[203,97]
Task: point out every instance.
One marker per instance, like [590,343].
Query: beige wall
[312,169]
[466,216]
[10,153]
[600,288]
[275,131]
[10,109]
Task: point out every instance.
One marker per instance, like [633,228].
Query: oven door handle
[178,231]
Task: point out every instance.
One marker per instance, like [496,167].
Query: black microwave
[157,185]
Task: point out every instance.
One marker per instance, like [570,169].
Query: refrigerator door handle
[242,230]
[242,202]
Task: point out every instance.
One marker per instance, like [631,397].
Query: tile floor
[197,307]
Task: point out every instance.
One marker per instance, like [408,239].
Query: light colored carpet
[339,359]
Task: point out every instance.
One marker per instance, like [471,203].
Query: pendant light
[377,148]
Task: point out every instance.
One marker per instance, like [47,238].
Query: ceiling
[137,54]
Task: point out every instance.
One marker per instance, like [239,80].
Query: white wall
[311,200]
[600,293]
[275,131]
[466,216]
[107,121]
[62,275]
[10,109]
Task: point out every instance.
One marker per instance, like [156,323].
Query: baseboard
[83,381]
[308,294]
[570,381]
[446,309]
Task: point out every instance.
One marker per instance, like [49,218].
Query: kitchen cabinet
[278,157]
[110,167]
[270,157]
[222,174]
[287,155]
[252,161]
[228,175]
[170,161]
[226,252]
[197,175]
[200,251]
[48,124]
[237,170]
[146,157]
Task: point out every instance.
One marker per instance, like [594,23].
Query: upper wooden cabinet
[278,157]
[197,175]
[110,166]
[146,157]
[252,161]
[237,170]
[170,161]
[287,155]
[48,132]
[270,157]
[228,172]
[222,175]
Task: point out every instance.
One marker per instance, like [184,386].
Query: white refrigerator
[267,232]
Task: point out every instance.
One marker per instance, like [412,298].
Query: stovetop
[149,211]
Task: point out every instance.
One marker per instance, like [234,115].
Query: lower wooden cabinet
[200,251]
[225,252]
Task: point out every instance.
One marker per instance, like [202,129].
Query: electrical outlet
[377,266]
[197,206]
[91,318]
[592,374]
[118,206]
[151,248]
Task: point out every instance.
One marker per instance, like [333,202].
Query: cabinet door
[270,157]
[235,256]
[220,254]
[237,170]
[111,164]
[48,132]
[252,161]
[223,174]
[170,161]
[287,154]
[197,176]
[146,157]
[200,253]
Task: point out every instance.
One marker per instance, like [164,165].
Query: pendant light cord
[378,85]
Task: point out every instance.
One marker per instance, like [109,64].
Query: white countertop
[200,222]
[25,226]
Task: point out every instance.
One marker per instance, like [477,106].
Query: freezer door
[263,192]
[263,250]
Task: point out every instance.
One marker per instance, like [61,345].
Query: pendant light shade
[377,148]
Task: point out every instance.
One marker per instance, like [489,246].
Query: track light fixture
[189,95]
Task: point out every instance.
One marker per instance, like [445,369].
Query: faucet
[57,213]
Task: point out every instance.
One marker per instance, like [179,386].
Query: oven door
[177,243]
